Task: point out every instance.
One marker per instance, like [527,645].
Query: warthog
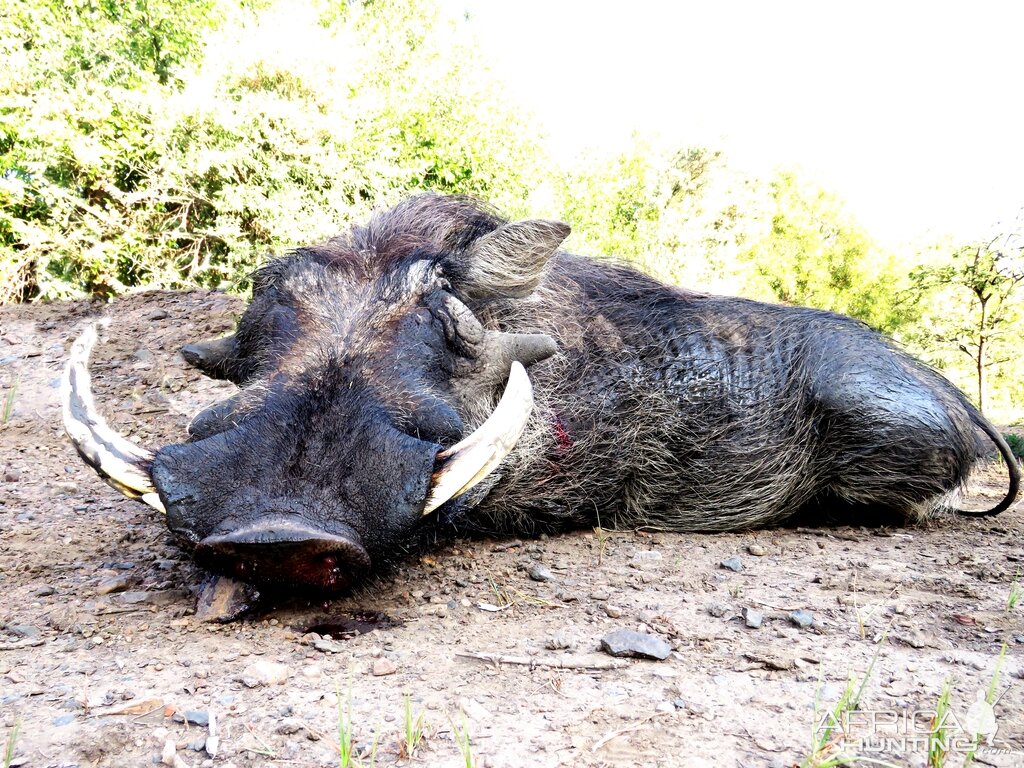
[383,394]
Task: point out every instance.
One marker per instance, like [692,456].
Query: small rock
[612,611]
[567,597]
[45,591]
[12,476]
[222,599]
[169,752]
[756,550]
[801,618]
[718,610]
[158,597]
[264,672]
[559,642]
[599,594]
[158,314]
[732,563]
[23,630]
[626,642]
[383,667]
[65,487]
[118,583]
[312,672]
[539,572]
[290,726]
[193,717]
[646,556]
[752,618]
[327,645]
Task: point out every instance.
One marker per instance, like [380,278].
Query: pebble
[264,672]
[559,642]
[599,594]
[732,563]
[801,618]
[626,642]
[12,476]
[193,717]
[752,618]
[23,630]
[383,667]
[756,550]
[65,487]
[612,611]
[539,572]
[222,599]
[118,583]
[158,314]
[327,645]
[718,610]
[169,752]
[290,726]
[45,591]
[312,672]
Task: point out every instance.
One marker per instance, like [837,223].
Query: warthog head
[371,393]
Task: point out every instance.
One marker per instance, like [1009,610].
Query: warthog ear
[510,261]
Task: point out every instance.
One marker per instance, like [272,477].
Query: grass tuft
[938,734]
[12,737]
[9,402]
[414,731]
[462,742]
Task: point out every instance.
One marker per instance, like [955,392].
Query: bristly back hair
[426,224]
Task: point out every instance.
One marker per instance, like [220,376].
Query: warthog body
[365,363]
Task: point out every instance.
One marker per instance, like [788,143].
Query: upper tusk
[468,462]
[120,462]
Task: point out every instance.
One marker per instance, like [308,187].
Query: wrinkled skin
[360,360]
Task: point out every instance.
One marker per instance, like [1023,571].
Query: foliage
[816,255]
[1016,444]
[150,163]
[971,309]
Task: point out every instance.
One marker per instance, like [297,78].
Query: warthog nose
[286,551]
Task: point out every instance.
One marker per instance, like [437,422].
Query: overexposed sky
[909,111]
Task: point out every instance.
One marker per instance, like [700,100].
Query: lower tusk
[468,462]
[120,462]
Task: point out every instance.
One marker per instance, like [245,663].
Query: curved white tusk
[469,461]
[120,462]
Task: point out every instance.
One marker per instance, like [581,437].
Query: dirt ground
[100,645]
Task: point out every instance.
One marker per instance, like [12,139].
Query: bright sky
[909,111]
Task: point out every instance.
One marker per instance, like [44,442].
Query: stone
[752,618]
[382,667]
[193,717]
[801,618]
[718,610]
[222,599]
[626,642]
[118,583]
[539,572]
[264,672]
[732,564]
[756,550]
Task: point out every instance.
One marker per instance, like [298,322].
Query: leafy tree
[128,158]
[973,300]
[815,255]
